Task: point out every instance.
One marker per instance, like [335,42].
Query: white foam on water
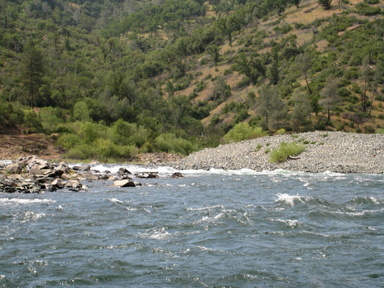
[115,200]
[210,219]
[114,168]
[25,201]
[205,208]
[290,223]
[30,216]
[157,234]
[291,199]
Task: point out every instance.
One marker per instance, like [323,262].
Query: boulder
[74,185]
[125,183]
[13,168]
[123,173]
[85,167]
[177,175]
[58,183]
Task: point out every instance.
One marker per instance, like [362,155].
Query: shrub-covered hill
[115,78]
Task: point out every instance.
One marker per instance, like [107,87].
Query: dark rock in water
[123,171]
[74,185]
[82,168]
[177,175]
[147,175]
[125,183]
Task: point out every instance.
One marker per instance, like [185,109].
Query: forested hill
[115,78]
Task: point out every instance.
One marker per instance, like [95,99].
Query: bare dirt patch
[13,146]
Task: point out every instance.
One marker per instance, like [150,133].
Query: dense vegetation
[115,78]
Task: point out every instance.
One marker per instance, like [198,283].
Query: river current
[208,229]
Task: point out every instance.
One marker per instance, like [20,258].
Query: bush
[80,152]
[101,149]
[49,119]
[104,149]
[69,141]
[10,116]
[285,150]
[169,143]
[32,122]
[366,10]
[243,131]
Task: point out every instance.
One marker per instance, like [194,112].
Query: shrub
[284,151]
[90,132]
[10,115]
[169,143]
[80,152]
[365,9]
[243,131]
[49,119]
[69,141]
[32,122]
[104,149]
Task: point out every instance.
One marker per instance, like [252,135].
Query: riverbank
[324,151]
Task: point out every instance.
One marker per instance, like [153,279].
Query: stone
[124,183]
[13,168]
[177,175]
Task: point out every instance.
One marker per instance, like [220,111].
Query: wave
[156,234]
[365,200]
[209,208]
[288,222]
[292,200]
[25,201]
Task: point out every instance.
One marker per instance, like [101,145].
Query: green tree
[32,73]
[365,79]
[325,3]
[304,64]
[270,106]
[221,91]
[329,96]
[214,52]
[295,2]
[301,111]
[274,72]
[251,66]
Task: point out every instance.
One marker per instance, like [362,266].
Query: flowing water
[208,229]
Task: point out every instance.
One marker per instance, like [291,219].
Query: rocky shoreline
[339,152]
[32,174]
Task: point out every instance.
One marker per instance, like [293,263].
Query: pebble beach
[339,152]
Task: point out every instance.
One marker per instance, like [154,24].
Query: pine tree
[32,72]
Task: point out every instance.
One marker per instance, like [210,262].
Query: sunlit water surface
[208,229]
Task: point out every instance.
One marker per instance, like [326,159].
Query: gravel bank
[324,151]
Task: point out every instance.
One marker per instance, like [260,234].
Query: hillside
[113,79]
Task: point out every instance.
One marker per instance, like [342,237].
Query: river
[208,229]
